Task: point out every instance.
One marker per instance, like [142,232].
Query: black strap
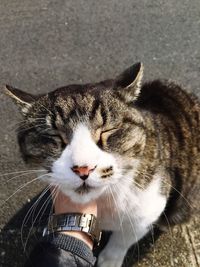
[71,244]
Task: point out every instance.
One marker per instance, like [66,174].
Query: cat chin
[83,197]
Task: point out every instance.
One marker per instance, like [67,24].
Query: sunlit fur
[143,142]
[82,151]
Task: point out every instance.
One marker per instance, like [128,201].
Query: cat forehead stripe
[140,141]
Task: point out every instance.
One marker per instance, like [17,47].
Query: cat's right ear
[23,100]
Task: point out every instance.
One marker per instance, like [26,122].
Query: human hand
[63,204]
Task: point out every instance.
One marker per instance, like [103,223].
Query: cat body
[139,144]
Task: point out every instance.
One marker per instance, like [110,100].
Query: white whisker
[131,223]
[184,198]
[9,173]
[118,214]
[22,175]
[28,214]
[33,222]
[21,187]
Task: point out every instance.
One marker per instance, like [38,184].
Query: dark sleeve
[58,250]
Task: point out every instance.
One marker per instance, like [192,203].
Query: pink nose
[82,171]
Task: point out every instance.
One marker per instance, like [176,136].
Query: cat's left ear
[128,83]
[23,100]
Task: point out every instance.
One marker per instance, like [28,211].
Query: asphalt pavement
[46,44]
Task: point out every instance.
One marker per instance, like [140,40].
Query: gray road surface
[45,44]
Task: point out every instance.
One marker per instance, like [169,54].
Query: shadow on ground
[35,216]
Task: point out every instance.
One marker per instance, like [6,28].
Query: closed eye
[104,136]
[109,131]
[50,138]
[58,138]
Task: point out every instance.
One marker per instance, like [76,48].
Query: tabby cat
[139,146]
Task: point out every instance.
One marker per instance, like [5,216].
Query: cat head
[88,137]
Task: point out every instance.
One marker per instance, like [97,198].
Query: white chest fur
[129,206]
[129,213]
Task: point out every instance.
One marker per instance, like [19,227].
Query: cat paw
[106,262]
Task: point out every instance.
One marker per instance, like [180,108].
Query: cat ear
[128,83]
[23,100]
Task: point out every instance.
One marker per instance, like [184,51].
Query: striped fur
[156,125]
